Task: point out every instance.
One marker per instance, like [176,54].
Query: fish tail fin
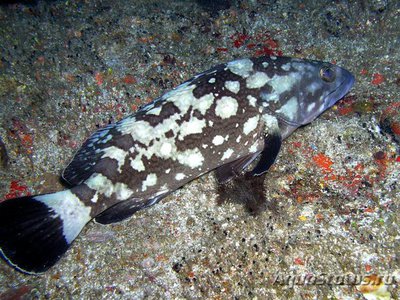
[35,231]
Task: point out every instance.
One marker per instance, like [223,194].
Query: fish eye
[327,74]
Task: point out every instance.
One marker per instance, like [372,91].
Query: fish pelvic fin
[35,231]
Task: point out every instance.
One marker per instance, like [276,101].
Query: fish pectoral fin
[125,209]
[272,145]
[230,170]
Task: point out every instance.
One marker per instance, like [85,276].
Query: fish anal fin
[126,209]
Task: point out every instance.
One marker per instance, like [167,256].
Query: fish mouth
[342,89]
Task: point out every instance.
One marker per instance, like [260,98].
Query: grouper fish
[222,119]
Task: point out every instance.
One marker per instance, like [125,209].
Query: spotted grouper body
[222,120]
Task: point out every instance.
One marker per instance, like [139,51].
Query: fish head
[331,84]
[311,88]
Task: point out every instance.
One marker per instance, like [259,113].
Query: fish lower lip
[341,90]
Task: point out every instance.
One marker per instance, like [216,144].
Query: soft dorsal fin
[79,169]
